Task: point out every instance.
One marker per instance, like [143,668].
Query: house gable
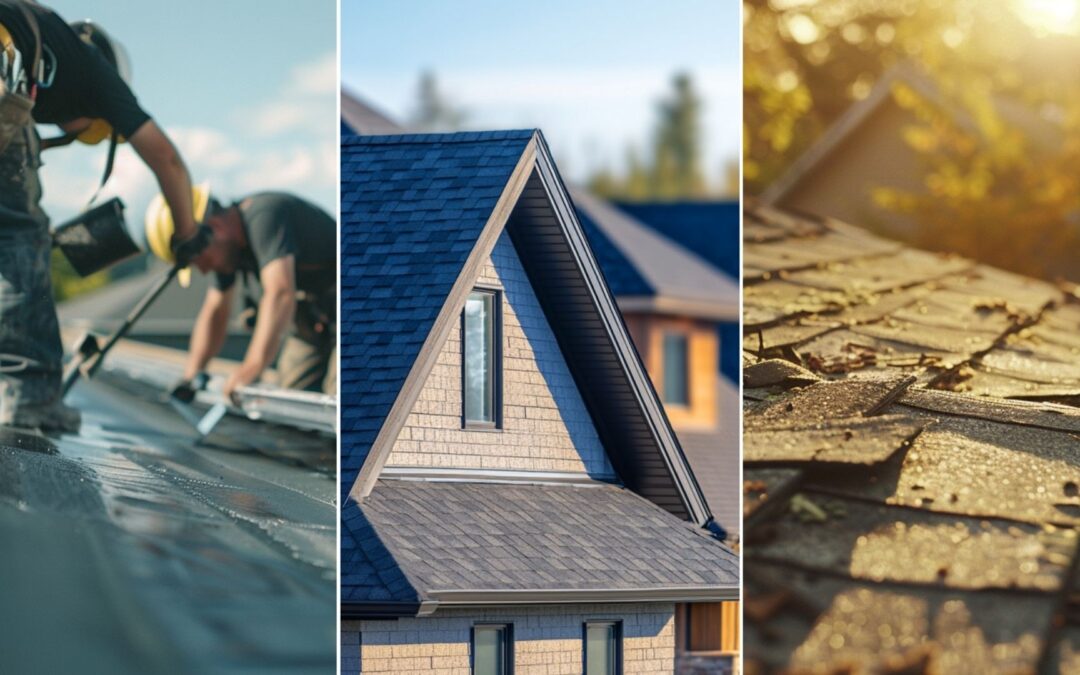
[419,221]
[545,425]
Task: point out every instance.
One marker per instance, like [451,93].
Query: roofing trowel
[181,403]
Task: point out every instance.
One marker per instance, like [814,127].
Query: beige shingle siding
[546,426]
[547,639]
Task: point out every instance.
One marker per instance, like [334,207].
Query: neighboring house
[514,499]
[865,149]
[167,322]
[673,302]
[710,230]
[359,117]
[911,458]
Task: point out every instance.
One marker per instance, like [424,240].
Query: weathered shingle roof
[453,537]
[412,208]
[911,477]
[708,228]
[639,263]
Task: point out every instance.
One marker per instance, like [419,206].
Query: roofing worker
[290,247]
[74,76]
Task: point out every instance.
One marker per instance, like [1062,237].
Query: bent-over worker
[287,246]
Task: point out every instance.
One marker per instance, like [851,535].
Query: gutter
[463,598]
[356,611]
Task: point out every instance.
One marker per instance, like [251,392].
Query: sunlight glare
[1054,16]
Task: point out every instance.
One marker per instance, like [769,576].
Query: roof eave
[543,596]
[698,309]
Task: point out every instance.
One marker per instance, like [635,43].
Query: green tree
[434,112]
[677,171]
[673,169]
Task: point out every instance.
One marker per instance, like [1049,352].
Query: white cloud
[281,117]
[317,78]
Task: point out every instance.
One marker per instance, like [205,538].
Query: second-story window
[676,369]
[480,352]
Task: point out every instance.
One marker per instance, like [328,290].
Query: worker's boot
[57,417]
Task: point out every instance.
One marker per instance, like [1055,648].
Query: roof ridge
[453,137]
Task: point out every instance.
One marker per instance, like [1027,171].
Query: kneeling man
[287,247]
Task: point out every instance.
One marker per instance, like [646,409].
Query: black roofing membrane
[129,549]
[955,551]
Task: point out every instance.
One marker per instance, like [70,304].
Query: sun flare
[1054,16]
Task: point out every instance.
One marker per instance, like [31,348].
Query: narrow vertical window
[676,369]
[480,350]
[492,649]
[603,648]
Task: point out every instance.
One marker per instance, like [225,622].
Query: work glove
[185,390]
[189,249]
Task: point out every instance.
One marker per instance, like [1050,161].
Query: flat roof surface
[912,453]
[131,548]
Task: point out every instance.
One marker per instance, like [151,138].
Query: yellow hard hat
[160,226]
[7,43]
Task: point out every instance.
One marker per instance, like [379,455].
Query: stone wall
[547,640]
[546,426]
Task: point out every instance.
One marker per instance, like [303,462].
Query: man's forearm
[276,311]
[207,339]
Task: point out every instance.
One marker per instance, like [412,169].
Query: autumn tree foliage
[999,145]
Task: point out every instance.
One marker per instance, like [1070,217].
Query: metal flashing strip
[302,409]
[496,476]
[310,411]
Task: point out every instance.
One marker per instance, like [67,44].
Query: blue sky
[246,88]
[588,73]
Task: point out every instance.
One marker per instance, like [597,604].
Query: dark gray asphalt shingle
[449,536]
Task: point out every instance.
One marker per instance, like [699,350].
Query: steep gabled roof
[708,228]
[420,214]
[910,475]
[359,117]
[649,272]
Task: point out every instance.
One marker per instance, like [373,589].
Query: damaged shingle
[954,551]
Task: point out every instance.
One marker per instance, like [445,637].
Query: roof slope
[127,528]
[359,117]
[910,482]
[648,271]
[461,541]
[708,228]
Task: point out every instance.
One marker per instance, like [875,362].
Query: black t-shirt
[278,224]
[86,85]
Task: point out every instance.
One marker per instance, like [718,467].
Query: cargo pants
[31,352]
[308,357]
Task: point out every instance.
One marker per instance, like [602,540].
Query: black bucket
[95,239]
